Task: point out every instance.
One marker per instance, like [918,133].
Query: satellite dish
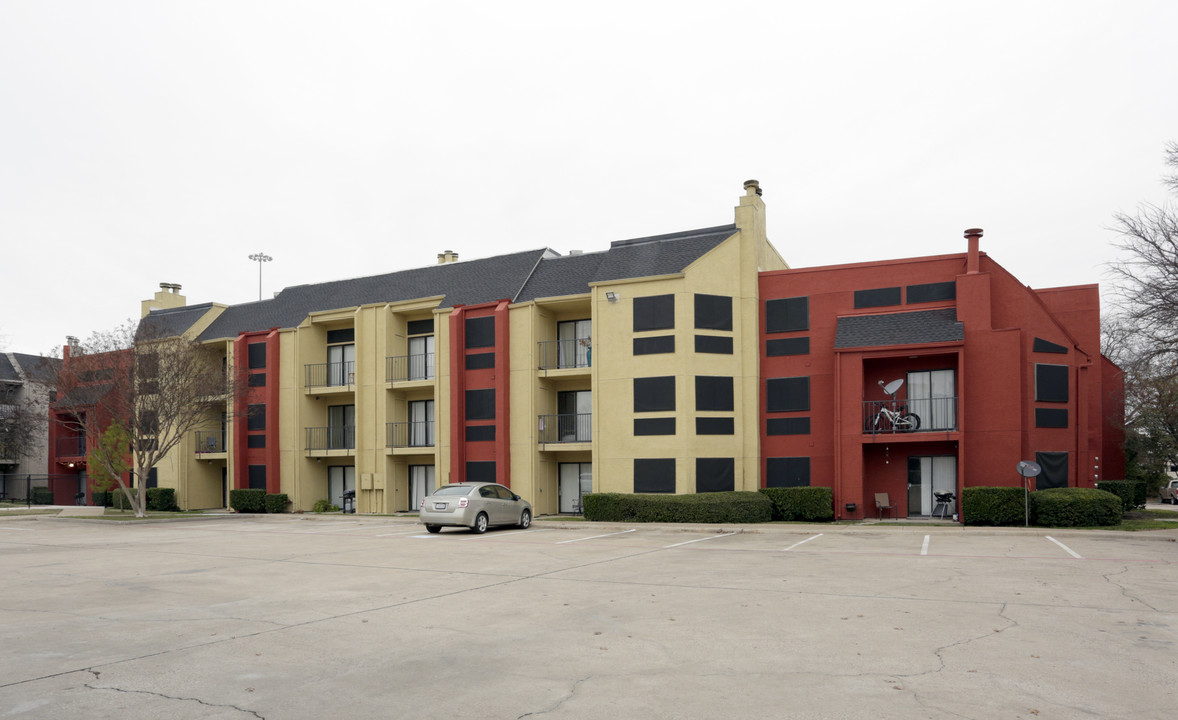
[892,387]
[1027,469]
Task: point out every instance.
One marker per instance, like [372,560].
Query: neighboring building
[995,371]
[24,433]
[690,362]
[83,383]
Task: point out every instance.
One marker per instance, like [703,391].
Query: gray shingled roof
[25,363]
[640,257]
[171,322]
[909,328]
[7,370]
[518,277]
[462,283]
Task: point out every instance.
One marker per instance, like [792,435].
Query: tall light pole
[260,258]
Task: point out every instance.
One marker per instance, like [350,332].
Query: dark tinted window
[656,312]
[1051,383]
[787,472]
[787,394]
[788,346]
[655,475]
[878,297]
[715,475]
[257,356]
[654,394]
[713,312]
[787,314]
[480,404]
[656,345]
[480,332]
[713,393]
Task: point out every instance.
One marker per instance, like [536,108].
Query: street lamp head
[260,257]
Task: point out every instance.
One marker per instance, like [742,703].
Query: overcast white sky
[148,141]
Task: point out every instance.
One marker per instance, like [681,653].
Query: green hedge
[1131,492]
[102,498]
[1075,507]
[247,500]
[322,506]
[162,499]
[993,505]
[42,496]
[276,502]
[809,504]
[720,507]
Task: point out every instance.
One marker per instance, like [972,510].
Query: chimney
[973,262]
[752,187]
[447,256]
[168,297]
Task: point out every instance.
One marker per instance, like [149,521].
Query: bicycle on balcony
[895,418]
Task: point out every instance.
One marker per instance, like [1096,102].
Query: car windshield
[453,490]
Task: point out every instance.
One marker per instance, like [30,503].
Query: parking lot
[310,617]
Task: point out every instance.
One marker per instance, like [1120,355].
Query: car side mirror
[515,497]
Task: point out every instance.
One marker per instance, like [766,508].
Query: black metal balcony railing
[68,447]
[410,434]
[410,367]
[336,437]
[210,441]
[337,374]
[932,415]
[561,354]
[566,428]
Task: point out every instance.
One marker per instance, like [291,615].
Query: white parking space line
[410,532]
[594,537]
[802,542]
[688,542]
[28,529]
[1070,551]
[924,547]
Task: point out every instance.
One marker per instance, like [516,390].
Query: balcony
[419,434]
[886,417]
[71,447]
[566,429]
[408,368]
[331,375]
[335,437]
[210,442]
[565,354]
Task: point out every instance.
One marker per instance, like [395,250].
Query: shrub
[276,502]
[322,506]
[993,505]
[1131,492]
[720,507]
[42,496]
[1075,507]
[247,500]
[162,499]
[101,498]
[810,504]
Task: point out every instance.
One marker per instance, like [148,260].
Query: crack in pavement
[88,686]
[1108,577]
[556,706]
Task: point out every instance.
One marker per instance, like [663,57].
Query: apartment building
[695,361]
[926,375]
[632,369]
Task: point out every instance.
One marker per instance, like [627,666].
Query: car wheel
[525,520]
[434,528]
[480,524]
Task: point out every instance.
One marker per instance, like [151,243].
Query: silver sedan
[476,505]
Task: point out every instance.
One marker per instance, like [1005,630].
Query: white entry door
[576,481]
[421,483]
[927,475]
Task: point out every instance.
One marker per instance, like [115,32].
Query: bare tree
[1147,278]
[158,389]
